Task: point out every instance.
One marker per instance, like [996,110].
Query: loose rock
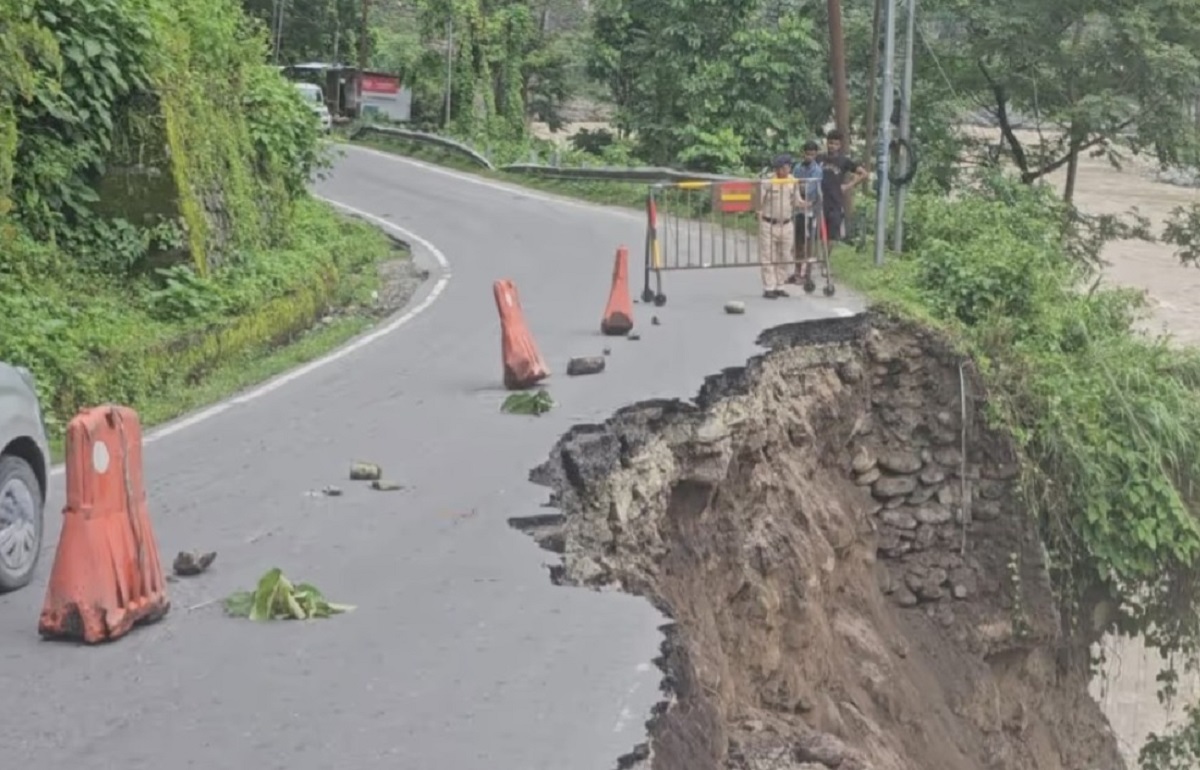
[922,495]
[850,372]
[189,564]
[863,461]
[365,471]
[894,486]
[932,476]
[380,485]
[899,519]
[869,478]
[331,491]
[585,365]
[933,513]
[654,321]
[926,537]
[735,308]
[634,336]
[900,462]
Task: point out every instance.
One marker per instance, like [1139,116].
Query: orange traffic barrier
[618,313]
[523,364]
[107,576]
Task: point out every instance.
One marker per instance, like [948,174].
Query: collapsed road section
[852,581]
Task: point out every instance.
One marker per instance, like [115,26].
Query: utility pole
[841,91]
[449,65]
[885,131]
[837,67]
[873,78]
[337,62]
[363,58]
[905,120]
[277,26]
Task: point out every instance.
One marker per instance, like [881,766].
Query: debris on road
[735,307]
[328,490]
[535,404]
[193,563]
[585,365]
[360,471]
[633,336]
[277,598]
[654,321]
[608,351]
[380,485]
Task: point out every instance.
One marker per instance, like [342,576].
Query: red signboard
[380,84]
[735,197]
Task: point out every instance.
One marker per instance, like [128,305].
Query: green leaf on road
[277,598]
[535,404]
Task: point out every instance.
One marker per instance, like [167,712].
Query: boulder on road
[585,365]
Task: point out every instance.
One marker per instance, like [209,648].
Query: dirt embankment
[802,523]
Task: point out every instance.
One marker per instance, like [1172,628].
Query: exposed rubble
[852,581]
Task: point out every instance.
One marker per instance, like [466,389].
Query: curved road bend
[461,654]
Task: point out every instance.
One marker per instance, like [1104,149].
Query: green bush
[91,339]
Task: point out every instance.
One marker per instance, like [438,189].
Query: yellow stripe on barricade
[693,185]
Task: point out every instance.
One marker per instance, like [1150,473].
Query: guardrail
[644,174]
[424,138]
[647,174]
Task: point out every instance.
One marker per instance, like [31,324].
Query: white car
[24,470]
[314,97]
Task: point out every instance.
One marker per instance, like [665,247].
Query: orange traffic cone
[107,576]
[523,364]
[618,313]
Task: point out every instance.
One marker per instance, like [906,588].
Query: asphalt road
[461,654]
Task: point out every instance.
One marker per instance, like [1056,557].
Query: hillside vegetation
[153,207]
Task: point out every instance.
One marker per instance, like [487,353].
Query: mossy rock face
[143,195]
[169,112]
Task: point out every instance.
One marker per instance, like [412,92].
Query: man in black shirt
[841,175]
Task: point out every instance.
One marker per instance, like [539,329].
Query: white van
[314,97]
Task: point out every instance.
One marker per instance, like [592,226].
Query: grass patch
[169,340]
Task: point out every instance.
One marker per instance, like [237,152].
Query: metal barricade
[698,225]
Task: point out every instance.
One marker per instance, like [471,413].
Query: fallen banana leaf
[535,404]
[277,598]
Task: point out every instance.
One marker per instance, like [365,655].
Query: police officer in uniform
[779,201]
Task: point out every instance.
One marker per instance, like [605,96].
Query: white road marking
[278,382]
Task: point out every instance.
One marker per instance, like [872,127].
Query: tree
[691,74]
[1087,75]
[312,30]
[511,60]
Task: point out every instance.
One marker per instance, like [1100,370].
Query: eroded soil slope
[849,588]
